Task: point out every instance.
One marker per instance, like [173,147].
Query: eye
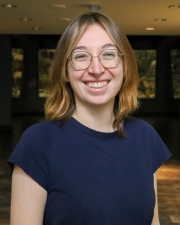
[108,54]
[80,56]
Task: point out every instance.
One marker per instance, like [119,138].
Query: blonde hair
[60,104]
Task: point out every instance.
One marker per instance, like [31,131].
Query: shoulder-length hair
[60,104]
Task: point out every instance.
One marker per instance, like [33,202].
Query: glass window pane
[146,61]
[175,71]
[17,72]
[45,57]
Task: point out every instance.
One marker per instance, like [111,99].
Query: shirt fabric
[91,177]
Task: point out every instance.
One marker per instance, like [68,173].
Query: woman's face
[95,85]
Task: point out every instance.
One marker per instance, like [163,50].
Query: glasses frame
[120,54]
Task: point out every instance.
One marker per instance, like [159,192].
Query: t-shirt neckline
[75,123]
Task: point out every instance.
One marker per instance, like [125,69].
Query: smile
[97,84]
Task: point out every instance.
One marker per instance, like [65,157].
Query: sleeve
[32,154]
[160,153]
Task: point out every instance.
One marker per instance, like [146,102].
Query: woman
[90,164]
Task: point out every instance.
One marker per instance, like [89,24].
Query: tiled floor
[168,174]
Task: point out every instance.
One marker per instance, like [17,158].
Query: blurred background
[29,32]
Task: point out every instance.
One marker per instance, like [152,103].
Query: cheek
[74,76]
[118,86]
[119,80]
[74,79]
[119,74]
[70,73]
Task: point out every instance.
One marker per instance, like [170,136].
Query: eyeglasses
[108,58]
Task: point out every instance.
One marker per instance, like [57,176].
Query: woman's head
[95,70]
[61,103]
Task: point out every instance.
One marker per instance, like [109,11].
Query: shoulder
[42,128]
[143,135]
[40,131]
[33,152]
[138,125]
[36,141]
[140,129]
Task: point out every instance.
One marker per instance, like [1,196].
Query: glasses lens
[80,60]
[109,58]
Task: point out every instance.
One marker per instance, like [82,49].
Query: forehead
[94,35]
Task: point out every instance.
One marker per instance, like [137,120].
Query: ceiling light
[94,8]
[91,7]
[58,6]
[174,6]
[36,28]
[65,19]
[9,6]
[149,28]
[161,20]
[25,19]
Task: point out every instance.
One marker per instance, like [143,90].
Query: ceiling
[134,16]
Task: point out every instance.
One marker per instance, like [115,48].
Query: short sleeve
[160,153]
[32,154]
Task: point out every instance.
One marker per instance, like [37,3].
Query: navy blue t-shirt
[91,177]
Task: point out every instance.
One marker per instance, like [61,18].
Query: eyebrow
[80,47]
[109,45]
[85,48]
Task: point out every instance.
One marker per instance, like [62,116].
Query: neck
[99,118]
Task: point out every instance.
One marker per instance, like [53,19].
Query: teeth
[99,84]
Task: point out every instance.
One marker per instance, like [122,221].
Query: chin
[99,101]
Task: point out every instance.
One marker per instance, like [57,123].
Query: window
[17,72]
[45,57]
[146,61]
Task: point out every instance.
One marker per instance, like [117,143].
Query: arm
[155,220]
[28,199]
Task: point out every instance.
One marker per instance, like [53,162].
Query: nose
[96,68]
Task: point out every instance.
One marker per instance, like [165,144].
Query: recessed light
[36,28]
[65,19]
[25,19]
[58,6]
[149,28]
[174,6]
[94,8]
[9,6]
[161,20]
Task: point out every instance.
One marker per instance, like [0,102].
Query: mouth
[96,84]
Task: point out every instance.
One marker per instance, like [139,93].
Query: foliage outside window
[175,71]
[146,61]
[17,72]
[45,57]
